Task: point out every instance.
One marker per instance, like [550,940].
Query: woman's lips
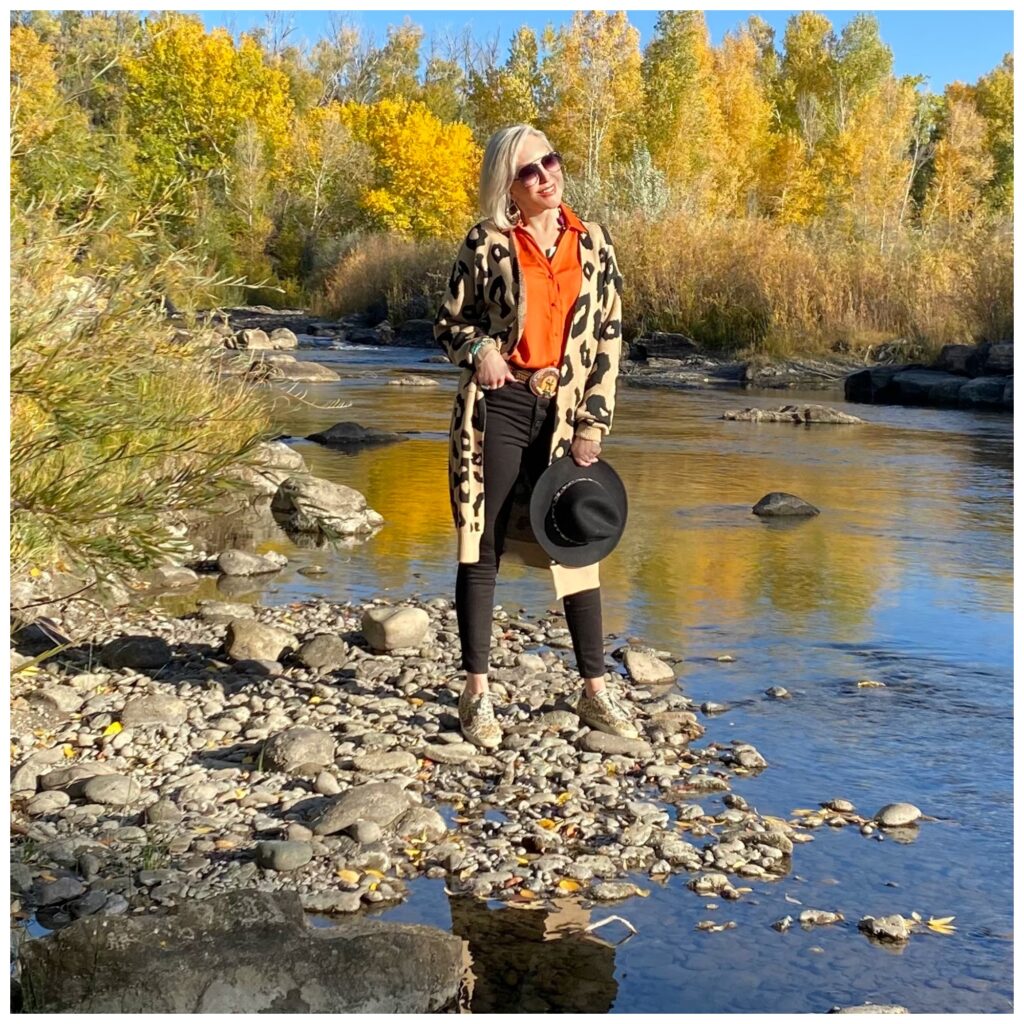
[548,191]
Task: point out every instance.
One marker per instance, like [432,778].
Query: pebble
[326,784]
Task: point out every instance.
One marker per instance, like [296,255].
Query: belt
[543,382]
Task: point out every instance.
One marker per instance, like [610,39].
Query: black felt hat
[578,513]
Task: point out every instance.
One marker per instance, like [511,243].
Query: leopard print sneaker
[604,713]
[477,721]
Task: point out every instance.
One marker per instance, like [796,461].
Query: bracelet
[477,345]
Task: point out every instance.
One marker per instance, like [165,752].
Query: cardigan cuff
[590,432]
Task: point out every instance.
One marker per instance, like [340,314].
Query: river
[905,577]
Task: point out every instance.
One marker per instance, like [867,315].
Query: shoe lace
[609,703]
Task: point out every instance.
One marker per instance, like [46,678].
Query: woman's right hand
[493,371]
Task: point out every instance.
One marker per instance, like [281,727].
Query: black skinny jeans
[517,438]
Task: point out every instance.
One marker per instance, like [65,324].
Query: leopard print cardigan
[485,301]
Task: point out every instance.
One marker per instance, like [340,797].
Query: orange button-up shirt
[552,288]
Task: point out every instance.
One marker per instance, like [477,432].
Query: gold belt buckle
[544,383]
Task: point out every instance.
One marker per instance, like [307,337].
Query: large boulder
[304,371]
[998,359]
[381,802]
[662,345]
[242,952]
[138,652]
[875,384]
[389,629]
[983,393]
[779,503]
[416,333]
[308,504]
[250,340]
[249,640]
[928,387]
[961,359]
[283,338]
[349,435]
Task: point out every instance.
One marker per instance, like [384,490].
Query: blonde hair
[498,171]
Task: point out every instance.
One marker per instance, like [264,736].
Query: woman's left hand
[584,452]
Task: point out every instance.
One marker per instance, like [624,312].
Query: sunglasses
[529,174]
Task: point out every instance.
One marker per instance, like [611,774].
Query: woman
[532,317]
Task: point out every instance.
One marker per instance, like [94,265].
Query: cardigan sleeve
[594,413]
[459,322]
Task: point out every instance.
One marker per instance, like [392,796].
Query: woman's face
[546,192]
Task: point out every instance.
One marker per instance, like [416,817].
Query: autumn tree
[499,96]
[993,99]
[593,67]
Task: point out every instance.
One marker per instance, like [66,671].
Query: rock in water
[647,670]
[244,952]
[306,504]
[244,563]
[894,928]
[897,815]
[792,414]
[388,629]
[354,435]
[870,1008]
[779,503]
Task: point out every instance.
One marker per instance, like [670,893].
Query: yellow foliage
[423,170]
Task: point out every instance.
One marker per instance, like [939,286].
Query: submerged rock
[244,952]
[779,503]
[354,435]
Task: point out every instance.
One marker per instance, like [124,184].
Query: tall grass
[118,417]
[752,286]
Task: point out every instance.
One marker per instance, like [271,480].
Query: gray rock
[174,576]
[282,338]
[163,812]
[778,692]
[247,640]
[388,629]
[811,918]
[91,903]
[999,358]
[365,833]
[386,761]
[604,743]
[897,815]
[609,891]
[677,723]
[61,890]
[49,802]
[154,709]
[224,611]
[307,504]
[792,414]
[983,392]
[381,802]
[779,503]
[647,670]
[331,902]
[56,700]
[251,339]
[298,747]
[283,855]
[421,821]
[353,435]
[450,753]
[140,652]
[326,784]
[296,369]
[244,563]
[894,928]
[112,790]
[870,1008]
[840,805]
[324,653]
[713,882]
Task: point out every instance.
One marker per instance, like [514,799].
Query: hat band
[554,501]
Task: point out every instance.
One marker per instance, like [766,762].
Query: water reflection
[534,961]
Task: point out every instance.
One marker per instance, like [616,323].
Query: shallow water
[905,577]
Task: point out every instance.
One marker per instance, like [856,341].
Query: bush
[118,419]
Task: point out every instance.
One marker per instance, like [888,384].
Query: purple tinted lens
[529,175]
[551,162]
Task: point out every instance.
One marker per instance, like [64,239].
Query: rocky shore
[315,748]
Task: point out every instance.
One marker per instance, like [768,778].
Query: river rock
[49,802]
[677,723]
[56,700]
[154,709]
[897,815]
[251,340]
[811,918]
[894,928]
[610,891]
[247,639]
[605,743]
[324,653]
[870,1008]
[351,435]
[220,950]
[450,753]
[244,563]
[72,780]
[421,821]
[111,790]
[304,370]
[277,455]
[307,504]
[298,748]
[61,890]
[386,761]
[163,812]
[381,802]
[389,629]
[983,392]
[647,670]
[224,611]
[779,503]
[365,833]
[283,855]
[792,414]
[139,652]
[175,576]
[410,381]
[336,902]
[282,338]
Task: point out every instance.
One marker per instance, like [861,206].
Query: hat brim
[557,475]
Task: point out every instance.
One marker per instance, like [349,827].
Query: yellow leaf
[611,770]
[568,885]
[942,925]
[374,886]
[563,799]
[69,751]
[113,729]
[348,876]
[415,701]
[870,684]
[35,572]
[315,700]
[374,873]
[522,861]
[411,851]
[239,793]
[547,823]
[527,894]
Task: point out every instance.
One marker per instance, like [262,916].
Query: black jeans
[517,439]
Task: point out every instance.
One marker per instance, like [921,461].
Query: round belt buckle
[544,383]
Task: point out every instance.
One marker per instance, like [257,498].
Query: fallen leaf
[411,851]
[374,886]
[547,823]
[239,793]
[569,885]
[870,684]
[315,700]
[415,701]
[348,876]
[527,894]
[942,925]
[563,798]
[69,751]
[374,873]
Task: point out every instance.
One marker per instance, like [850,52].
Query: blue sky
[946,46]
